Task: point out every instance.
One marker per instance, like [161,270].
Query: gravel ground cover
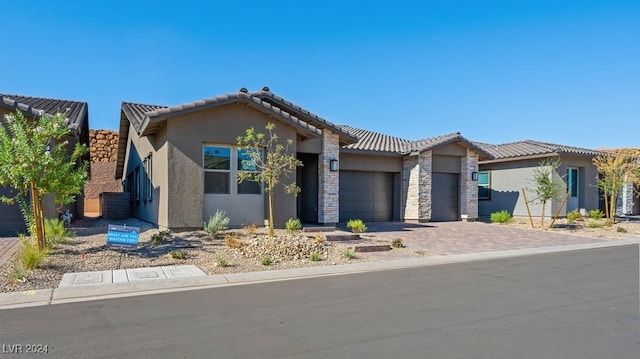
[87,251]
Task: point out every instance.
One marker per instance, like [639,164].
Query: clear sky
[557,71]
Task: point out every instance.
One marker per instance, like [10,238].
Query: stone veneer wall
[626,200]
[468,187]
[416,186]
[103,145]
[328,182]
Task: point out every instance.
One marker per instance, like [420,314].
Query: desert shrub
[177,254]
[55,231]
[573,216]
[314,256]
[18,274]
[158,238]
[231,240]
[349,253]
[501,217]
[596,214]
[250,229]
[397,243]
[218,222]
[31,256]
[221,261]
[319,238]
[293,225]
[595,223]
[621,230]
[356,226]
[266,260]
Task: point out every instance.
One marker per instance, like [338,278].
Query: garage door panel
[366,195]
[445,197]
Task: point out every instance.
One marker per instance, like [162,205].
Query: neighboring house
[501,179]
[11,220]
[179,165]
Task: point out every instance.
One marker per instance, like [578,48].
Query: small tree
[269,167]
[35,161]
[547,184]
[616,169]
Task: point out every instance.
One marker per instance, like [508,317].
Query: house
[179,165]
[11,220]
[502,178]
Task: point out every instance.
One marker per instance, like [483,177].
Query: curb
[91,292]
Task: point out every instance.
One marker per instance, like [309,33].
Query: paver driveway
[446,238]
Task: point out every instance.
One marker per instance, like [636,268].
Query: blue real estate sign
[122,237]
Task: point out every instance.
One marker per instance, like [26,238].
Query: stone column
[328,182]
[416,187]
[468,187]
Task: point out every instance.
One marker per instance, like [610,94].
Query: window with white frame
[221,165]
[484,185]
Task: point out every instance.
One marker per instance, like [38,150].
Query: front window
[217,169]
[221,166]
[247,164]
[484,185]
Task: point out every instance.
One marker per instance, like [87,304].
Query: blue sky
[497,71]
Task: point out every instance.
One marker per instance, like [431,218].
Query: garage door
[444,197]
[366,195]
[11,221]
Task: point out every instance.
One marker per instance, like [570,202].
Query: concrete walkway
[149,284]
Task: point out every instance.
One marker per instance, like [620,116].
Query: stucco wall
[187,135]
[508,179]
[154,210]
[361,162]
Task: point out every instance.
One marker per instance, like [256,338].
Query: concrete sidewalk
[145,286]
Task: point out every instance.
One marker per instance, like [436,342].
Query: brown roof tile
[373,141]
[533,148]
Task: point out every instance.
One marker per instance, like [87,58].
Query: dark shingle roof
[75,111]
[533,148]
[373,141]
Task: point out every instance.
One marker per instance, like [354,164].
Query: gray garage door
[444,197]
[11,222]
[366,195]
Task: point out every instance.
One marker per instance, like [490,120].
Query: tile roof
[76,112]
[146,118]
[373,141]
[456,137]
[533,148]
[267,96]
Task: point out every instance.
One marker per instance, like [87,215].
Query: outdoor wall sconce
[333,165]
[474,176]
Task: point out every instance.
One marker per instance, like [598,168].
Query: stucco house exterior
[11,220]
[502,178]
[179,165]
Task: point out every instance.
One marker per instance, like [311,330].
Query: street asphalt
[568,304]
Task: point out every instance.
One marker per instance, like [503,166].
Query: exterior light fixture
[333,165]
[474,176]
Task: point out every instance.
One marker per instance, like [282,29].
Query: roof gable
[529,148]
[438,141]
[75,111]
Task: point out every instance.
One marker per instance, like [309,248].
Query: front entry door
[573,202]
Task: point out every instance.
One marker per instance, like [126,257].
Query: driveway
[447,238]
